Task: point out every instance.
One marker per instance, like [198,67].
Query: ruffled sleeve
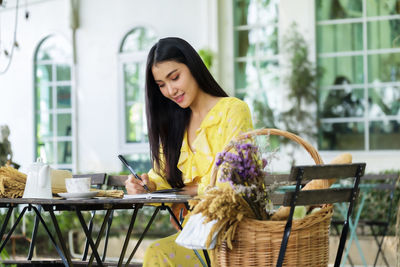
[198,162]
[159,181]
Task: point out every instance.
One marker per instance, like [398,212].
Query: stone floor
[369,248]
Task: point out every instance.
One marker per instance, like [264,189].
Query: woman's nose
[171,90]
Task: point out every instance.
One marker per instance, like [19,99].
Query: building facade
[74,91]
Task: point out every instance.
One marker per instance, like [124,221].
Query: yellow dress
[229,117]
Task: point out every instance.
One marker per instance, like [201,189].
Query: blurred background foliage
[376,206]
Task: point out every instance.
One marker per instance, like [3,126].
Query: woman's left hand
[190,190]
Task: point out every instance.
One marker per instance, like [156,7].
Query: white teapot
[38,181]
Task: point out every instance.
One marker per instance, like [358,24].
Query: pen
[132,171]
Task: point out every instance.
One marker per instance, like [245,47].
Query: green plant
[301,81]
[302,93]
[3,256]
[207,56]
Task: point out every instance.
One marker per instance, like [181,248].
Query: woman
[190,119]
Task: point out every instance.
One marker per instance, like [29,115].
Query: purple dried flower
[243,169]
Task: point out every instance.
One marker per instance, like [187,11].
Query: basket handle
[270,131]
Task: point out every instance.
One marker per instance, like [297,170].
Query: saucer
[78,195]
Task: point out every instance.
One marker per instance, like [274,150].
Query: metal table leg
[34,234]
[110,219]
[12,228]
[128,234]
[5,222]
[98,239]
[85,252]
[66,259]
[88,236]
[60,237]
[142,236]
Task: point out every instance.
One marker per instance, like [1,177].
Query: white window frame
[126,147]
[53,84]
[256,58]
[365,52]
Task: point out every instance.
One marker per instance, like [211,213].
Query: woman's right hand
[135,186]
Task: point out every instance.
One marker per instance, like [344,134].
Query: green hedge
[376,207]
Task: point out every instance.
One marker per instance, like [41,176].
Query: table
[107,204]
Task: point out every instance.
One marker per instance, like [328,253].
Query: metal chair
[386,184]
[300,174]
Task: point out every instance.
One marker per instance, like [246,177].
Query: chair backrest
[296,197]
[303,174]
[116,181]
[98,179]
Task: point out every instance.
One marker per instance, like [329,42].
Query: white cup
[78,184]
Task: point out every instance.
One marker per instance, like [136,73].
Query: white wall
[103,24]
[16,85]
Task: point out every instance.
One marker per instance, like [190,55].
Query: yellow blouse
[229,117]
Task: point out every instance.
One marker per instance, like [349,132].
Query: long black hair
[166,121]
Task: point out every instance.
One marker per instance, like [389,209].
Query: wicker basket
[257,243]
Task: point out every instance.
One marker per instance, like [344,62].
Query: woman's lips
[179,99]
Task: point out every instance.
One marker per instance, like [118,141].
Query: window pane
[245,43]
[54,48]
[268,74]
[342,136]
[383,34]
[382,8]
[384,135]
[384,67]
[44,73]
[384,101]
[64,127]
[139,39]
[53,93]
[338,9]
[44,125]
[136,123]
[246,75]
[63,72]
[64,150]
[240,94]
[268,46]
[45,150]
[253,42]
[245,12]
[252,75]
[268,12]
[141,162]
[349,67]
[341,103]
[63,96]
[44,97]
[340,37]
[134,81]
